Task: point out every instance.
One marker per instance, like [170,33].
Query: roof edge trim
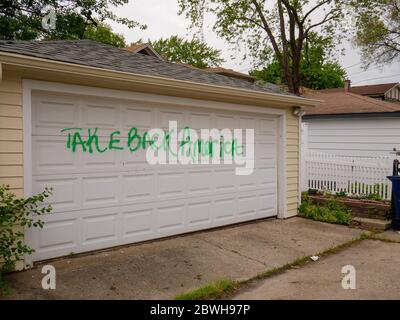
[25,61]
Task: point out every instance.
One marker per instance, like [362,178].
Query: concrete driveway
[162,269]
[377,276]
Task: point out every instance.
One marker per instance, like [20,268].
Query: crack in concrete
[233,251]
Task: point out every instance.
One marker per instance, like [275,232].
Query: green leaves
[260,26]
[377,30]
[332,212]
[22,19]
[15,214]
[193,52]
[318,69]
[104,34]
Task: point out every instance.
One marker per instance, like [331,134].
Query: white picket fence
[353,175]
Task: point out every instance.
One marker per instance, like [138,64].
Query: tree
[22,19]
[317,69]
[280,29]
[378,30]
[193,52]
[103,33]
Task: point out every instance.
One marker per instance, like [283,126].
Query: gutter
[28,62]
[391,114]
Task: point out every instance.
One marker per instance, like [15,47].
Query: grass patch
[382,238]
[335,249]
[225,287]
[212,290]
[275,271]
[332,212]
[304,260]
[5,288]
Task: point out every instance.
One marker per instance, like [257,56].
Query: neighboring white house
[351,124]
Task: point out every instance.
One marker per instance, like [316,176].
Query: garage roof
[373,89]
[338,103]
[94,54]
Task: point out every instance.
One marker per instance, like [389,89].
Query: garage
[112,196]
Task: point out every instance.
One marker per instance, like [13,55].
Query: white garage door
[113,198]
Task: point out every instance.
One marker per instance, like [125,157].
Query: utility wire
[353,65]
[359,72]
[392,76]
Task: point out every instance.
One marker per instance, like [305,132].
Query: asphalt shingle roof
[373,88]
[335,103]
[370,89]
[90,53]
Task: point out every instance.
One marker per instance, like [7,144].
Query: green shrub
[16,213]
[341,194]
[332,212]
[312,191]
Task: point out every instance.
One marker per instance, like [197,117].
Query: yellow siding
[11,159]
[10,98]
[292,163]
[10,111]
[11,147]
[10,122]
[11,137]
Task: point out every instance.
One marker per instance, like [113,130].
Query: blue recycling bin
[395,200]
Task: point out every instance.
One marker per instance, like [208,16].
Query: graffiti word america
[184,146]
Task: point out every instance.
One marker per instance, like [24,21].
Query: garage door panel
[265,151]
[165,116]
[246,182]
[100,227]
[267,126]
[247,123]
[65,192]
[199,181]
[225,121]
[100,190]
[198,120]
[59,235]
[266,176]
[224,209]
[171,184]
[112,198]
[171,218]
[137,223]
[138,187]
[267,207]
[142,118]
[100,115]
[133,159]
[247,205]
[49,154]
[224,179]
[53,114]
[95,161]
[199,213]
[265,138]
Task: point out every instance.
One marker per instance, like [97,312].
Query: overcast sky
[162,19]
